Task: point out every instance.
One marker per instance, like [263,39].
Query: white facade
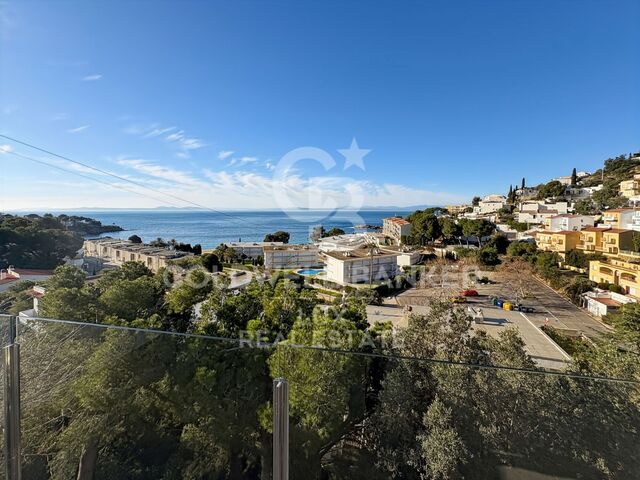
[600,302]
[396,228]
[117,252]
[621,218]
[291,256]
[568,221]
[360,266]
[490,204]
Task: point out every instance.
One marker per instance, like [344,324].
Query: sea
[210,229]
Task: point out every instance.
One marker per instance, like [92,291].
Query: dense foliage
[36,242]
[148,405]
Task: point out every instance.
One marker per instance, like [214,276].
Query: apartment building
[251,249]
[606,240]
[559,242]
[617,271]
[361,266]
[568,221]
[630,188]
[456,209]
[396,228]
[618,217]
[291,256]
[116,252]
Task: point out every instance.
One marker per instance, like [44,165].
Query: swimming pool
[310,271]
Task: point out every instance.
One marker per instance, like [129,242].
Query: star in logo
[353,155]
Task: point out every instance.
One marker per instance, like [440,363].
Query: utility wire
[124,179]
[57,167]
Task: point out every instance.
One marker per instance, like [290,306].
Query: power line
[57,167]
[124,179]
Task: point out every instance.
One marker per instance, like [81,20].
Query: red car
[470,293]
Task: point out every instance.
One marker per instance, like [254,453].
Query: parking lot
[549,308]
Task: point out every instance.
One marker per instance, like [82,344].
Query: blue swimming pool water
[310,271]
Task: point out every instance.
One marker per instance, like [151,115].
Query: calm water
[210,229]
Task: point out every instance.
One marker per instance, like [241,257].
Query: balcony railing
[87,401]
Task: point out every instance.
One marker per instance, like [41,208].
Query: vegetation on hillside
[129,404]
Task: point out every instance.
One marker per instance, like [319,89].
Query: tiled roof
[397,220]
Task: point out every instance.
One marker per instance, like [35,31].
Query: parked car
[238,274]
[458,299]
[470,293]
[523,308]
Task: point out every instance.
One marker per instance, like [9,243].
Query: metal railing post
[280,429]
[11,371]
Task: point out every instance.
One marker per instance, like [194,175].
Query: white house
[568,221]
[490,204]
[601,302]
[361,266]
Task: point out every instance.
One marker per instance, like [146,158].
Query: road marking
[558,347]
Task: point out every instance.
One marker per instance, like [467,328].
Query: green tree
[66,276]
[135,239]
[449,228]
[552,189]
[574,177]
[279,236]
[211,262]
[334,232]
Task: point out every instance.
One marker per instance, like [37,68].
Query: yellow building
[609,241]
[456,209]
[630,188]
[617,271]
[618,217]
[560,242]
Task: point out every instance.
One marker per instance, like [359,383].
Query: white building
[396,228]
[291,256]
[252,249]
[343,243]
[568,221]
[601,302]
[361,266]
[490,204]
[117,252]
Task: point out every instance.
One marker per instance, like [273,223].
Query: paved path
[549,304]
[542,349]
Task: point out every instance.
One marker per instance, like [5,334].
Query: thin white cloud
[224,154]
[78,129]
[175,137]
[6,148]
[243,161]
[92,78]
[157,131]
[60,116]
[159,171]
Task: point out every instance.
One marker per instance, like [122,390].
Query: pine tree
[574,176]
[523,183]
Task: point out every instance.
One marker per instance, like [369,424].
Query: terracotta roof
[618,210]
[617,230]
[596,229]
[7,280]
[610,302]
[399,221]
[565,232]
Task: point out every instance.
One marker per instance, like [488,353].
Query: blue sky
[203,99]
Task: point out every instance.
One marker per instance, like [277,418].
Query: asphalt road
[550,305]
